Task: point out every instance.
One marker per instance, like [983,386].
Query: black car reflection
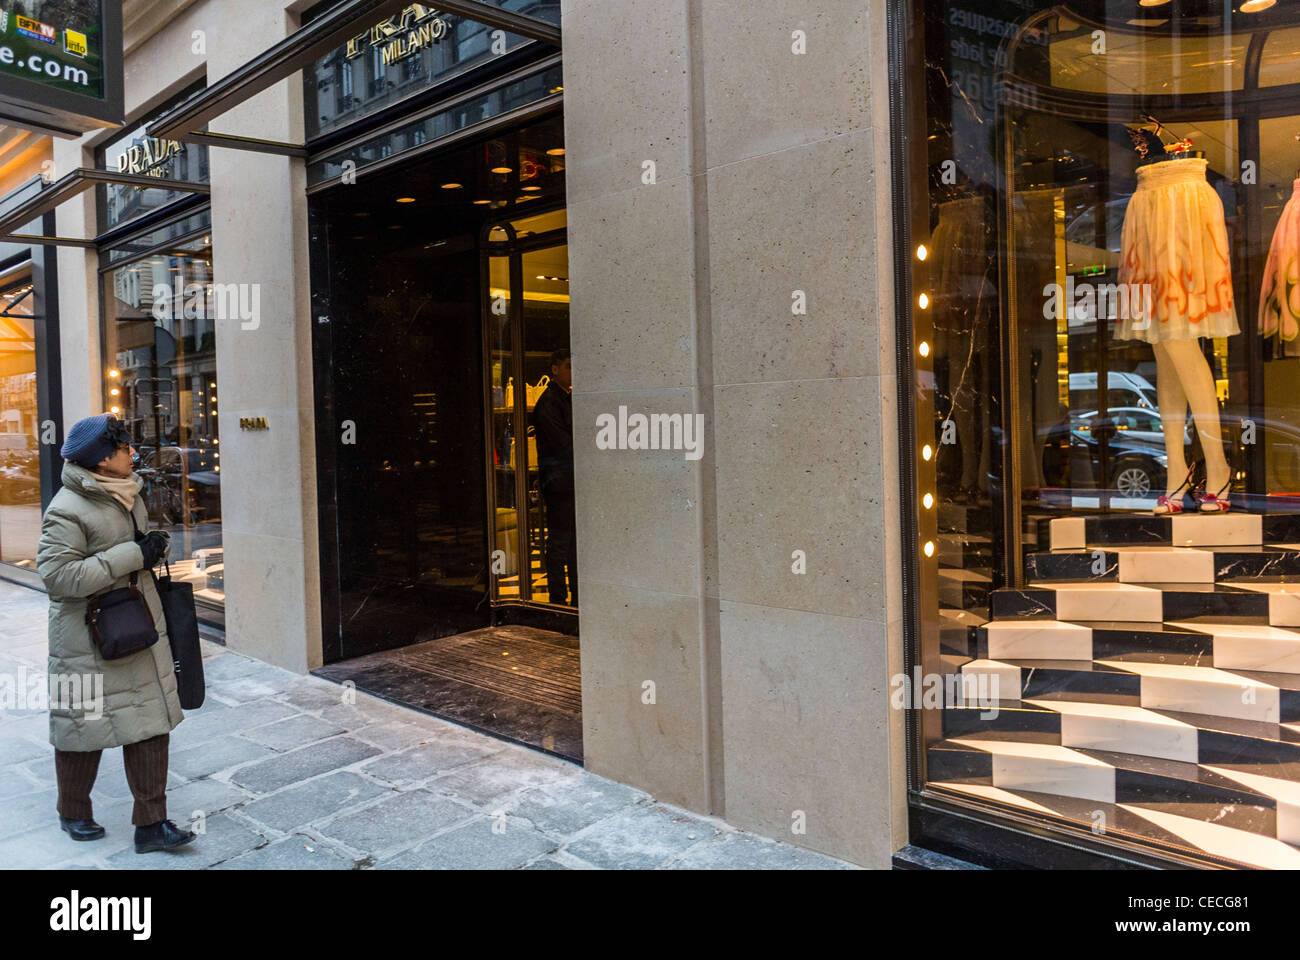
[1134,443]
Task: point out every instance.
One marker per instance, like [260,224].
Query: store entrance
[441,363]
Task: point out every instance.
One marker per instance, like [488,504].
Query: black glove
[154,546]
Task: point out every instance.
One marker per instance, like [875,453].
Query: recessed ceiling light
[503,169]
[1255,6]
[479,203]
[451,186]
[1152,3]
[406,199]
[555,152]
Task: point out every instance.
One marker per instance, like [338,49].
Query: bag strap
[135,574]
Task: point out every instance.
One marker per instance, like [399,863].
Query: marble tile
[1123,729]
[1048,768]
[1285,792]
[1005,675]
[1165,565]
[1283,601]
[1038,640]
[1107,601]
[1230,529]
[1203,690]
[1224,841]
[1068,533]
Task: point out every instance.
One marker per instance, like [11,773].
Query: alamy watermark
[37,691]
[655,431]
[209,301]
[934,691]
[1099,301]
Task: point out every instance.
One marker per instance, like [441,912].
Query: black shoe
[163,835]
[81,829]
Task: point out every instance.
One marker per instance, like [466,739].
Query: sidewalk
[279,772]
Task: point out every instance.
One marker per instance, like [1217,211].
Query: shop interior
[1115,519]
[20,476]
[440,287]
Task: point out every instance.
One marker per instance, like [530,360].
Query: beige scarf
[123,489]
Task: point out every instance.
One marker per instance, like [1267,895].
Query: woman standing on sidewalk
[91,544]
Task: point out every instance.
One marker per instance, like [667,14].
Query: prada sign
[402,34]
[149,157]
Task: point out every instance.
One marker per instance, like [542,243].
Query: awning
[74,184]
[305,46]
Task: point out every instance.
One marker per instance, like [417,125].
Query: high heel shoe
[1173,502]
[1214,503]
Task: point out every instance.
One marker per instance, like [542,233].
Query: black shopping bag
[183,632]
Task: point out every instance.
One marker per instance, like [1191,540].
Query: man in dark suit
[553,420]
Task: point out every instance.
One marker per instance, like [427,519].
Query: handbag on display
[535,391]
[532,451]
[182,618]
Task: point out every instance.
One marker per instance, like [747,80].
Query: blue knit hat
[88,442]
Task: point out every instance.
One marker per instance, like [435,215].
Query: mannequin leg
[1173,416]
[1198,386]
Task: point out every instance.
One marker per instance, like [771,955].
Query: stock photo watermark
[36,691]
[655,431]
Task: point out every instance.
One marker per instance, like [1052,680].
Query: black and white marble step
[1146,602]
[1030,762]
[1102,724]
[1243,833]
[1182,687]
[1182,530]
[1160,564]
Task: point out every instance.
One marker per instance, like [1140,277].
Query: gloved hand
[154,546]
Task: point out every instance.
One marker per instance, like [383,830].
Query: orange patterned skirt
[1279,295]
[1175,244]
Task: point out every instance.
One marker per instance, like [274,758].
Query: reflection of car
[1138,425]
[1072,459]
[1122,390]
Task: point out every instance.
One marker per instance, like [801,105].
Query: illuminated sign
[148,156]
[402,34]
[68,87]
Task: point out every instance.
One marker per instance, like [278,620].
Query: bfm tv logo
[34,29]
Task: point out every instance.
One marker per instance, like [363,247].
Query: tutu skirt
[1279,295]
[1175,244]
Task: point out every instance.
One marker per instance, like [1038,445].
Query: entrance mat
[514,682]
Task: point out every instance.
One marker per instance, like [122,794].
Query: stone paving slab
[396,822]
[282,771]
[326,796]
[298,852]
[489,843]
[303,764]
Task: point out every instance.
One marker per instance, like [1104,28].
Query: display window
[20,424]
[1102,323]
[160,376]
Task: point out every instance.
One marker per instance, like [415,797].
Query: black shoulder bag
[120,621]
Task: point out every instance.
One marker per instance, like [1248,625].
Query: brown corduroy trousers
[146,774]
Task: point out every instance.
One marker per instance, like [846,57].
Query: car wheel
[1133,480]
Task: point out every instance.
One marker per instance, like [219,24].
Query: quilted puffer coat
[87,548]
